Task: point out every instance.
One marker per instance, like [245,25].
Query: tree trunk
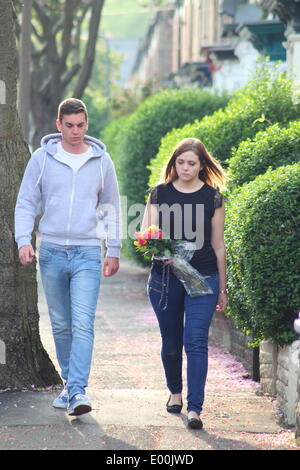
[44,112]
[24,66]
[23,360]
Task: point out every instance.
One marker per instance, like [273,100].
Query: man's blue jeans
[71,281]
[184,323]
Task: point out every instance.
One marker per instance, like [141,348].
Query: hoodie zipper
[72,191]
[71,207]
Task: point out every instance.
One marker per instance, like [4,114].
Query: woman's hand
[222,302]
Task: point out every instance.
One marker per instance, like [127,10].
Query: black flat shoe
[195,423]
[173,408]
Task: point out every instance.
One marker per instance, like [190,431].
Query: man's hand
[110,266]
[26,254]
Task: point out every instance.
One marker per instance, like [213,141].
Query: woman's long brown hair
[212,172]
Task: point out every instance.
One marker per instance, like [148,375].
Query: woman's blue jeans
[71,281]
[184,323]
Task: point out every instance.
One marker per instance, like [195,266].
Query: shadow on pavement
[28,421]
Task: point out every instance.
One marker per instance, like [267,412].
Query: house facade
[209,43]
[155,54]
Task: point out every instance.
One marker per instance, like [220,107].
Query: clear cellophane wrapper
[194,282]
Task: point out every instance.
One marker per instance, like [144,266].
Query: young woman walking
[190,189]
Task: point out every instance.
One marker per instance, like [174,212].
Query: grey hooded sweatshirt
[79,208]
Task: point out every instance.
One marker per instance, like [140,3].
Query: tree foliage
[64,40]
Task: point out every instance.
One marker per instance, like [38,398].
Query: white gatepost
[2,352]
[292,46]
[2,92]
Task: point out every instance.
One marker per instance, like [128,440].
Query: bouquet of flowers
[153,246]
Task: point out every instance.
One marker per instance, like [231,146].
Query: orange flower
[147,235]
[141,241]
[152,233]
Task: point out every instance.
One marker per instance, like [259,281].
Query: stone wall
[224,331]
[277,369]
[280,377]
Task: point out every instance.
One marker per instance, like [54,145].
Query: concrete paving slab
[138,408]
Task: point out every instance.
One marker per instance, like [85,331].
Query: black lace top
[187,216]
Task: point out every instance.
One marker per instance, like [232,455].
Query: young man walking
[72,178]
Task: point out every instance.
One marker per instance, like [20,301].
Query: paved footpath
[128,391]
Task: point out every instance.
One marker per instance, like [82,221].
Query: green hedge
[264,101]
[112,137]
[262,240]
[98,110]
[271,148]
[148,124]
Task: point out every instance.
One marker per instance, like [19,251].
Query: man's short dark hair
[71,106]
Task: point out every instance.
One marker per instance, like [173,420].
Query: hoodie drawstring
[43,168]
[101,171]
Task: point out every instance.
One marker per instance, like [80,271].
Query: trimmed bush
[98,110]
[112,137]
[148,124]
[262,239]
[264,101]
[272,148]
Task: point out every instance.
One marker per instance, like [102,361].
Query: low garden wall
[276,368]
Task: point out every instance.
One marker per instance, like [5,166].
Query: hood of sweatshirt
[49,144]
